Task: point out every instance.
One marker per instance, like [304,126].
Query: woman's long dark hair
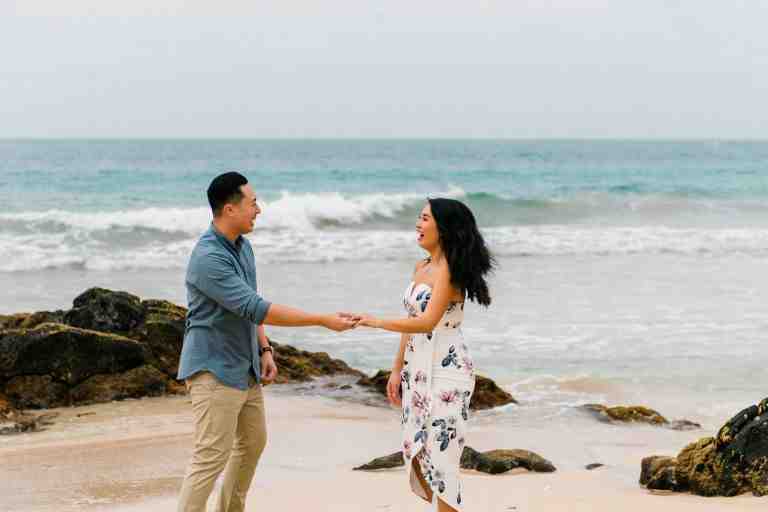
[469,259]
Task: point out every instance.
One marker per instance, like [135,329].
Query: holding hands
[341,321]
[368,321]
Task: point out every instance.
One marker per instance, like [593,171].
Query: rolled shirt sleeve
[217,278]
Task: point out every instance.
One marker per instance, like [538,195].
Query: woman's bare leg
[417,469]
[444,507]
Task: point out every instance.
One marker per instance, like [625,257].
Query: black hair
[469,259]
[225,189]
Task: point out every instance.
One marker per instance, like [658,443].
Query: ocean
[630,271]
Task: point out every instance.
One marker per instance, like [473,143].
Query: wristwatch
[268,348]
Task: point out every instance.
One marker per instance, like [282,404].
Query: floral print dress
[437,381]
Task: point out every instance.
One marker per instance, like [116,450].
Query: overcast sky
[388,68]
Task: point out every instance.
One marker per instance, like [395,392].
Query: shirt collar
[238,241]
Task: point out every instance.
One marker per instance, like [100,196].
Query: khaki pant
[230,434]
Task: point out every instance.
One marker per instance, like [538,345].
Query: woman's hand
[369,321]
[393,388]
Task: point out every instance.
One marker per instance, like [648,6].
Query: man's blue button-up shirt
[224,309]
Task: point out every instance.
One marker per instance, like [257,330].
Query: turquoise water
[113,175]
[630,271]
[74,203]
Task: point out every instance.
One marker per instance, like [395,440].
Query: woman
[433,375]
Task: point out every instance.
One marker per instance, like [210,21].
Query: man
[222,363]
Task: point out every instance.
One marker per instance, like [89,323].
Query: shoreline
[130,456]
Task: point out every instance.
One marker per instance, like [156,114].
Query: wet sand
[130,456]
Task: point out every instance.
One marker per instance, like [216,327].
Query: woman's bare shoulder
[420,265]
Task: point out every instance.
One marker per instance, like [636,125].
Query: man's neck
[228,233]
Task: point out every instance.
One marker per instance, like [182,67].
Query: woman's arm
[394,382]
[438,303]
[400,356]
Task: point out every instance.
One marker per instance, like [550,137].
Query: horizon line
[390,139]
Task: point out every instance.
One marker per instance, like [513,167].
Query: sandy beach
[130,456]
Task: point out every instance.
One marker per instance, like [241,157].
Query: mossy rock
[67,354]
[493,462]
[487,393]
[732,463]
[295,365]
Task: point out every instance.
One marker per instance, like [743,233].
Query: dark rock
[501,461]
[13,421]
[37,392]
[493,462]
[135,383]
[6,407]
[104,310]
[175,387]
[733,463]
[636,414]
[22,422]
[296,365]
[728,432]
[487,393]
[378,381]
[683,425]
[594,465]
[30,320]
[12,321]
[162,331]
[67,354]
[394,460]
[48,359]
[651,466]
[625,414]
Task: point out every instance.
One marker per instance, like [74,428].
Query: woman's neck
[435,255]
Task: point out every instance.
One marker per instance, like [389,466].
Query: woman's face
[426,229]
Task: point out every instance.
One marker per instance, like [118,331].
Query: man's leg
[250,439]
[215,408]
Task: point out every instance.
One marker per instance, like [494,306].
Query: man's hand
[393,388]
[340,322]
[268,368]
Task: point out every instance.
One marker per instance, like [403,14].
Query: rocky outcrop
[660,470]
[136,383]
[37,392]
[30,320]
[487,393]
[111,346]
[732,463]
[296,365]
[162,331]
[394,460]
[104,310]
[377,382]
[67,354]
[493,462]
[636,414]
[13,421]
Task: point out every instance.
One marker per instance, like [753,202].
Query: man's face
[243,214]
